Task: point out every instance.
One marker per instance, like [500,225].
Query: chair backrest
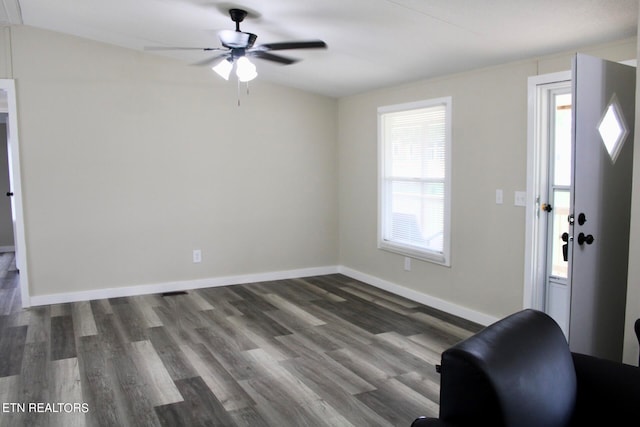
[515,372]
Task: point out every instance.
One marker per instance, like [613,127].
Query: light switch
[520,198]
[499,197]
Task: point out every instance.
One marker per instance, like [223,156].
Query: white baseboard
[422,298]
[177,286]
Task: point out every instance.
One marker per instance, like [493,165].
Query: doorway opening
[548,187]
[9,111]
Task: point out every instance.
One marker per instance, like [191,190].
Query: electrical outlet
[407,264]
[499,197]
[197,255]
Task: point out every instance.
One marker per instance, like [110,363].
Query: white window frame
[444,257]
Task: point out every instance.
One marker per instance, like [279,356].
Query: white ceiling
[371,43]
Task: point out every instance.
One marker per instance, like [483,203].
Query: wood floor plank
[263,340]
[218,379]
[146,314]
[137,400]
[171,355]
[230,358]
[426,383]
[83,319]
[156,379]
[224,330]
[446,328]
[248,417]
[12,344]
[205,408]
[411,347]
[99,384]
[398,403]
[309,342]
[61,310]
[378,294]
[129,325]
[296,311]
[175,414]
[199,302]
[318,291]
[8,388]
[280,381]
[34,373]
[8,299]
[66,388]
[63,343]
[362,367]
[327,374]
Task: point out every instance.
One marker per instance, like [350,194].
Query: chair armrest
[430,422]
[608,388]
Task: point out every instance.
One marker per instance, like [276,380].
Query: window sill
[416,253]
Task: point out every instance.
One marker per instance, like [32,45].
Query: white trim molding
[422,298]
[437,303]
[533,292]
[178,286]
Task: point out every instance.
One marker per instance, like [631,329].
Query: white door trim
[533,295]
[8,86]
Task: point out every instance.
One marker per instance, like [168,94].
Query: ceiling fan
[238,46]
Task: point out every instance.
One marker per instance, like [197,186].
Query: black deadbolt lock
[582,218]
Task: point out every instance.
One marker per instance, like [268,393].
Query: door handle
[565,247]
[546,207]
[582,239]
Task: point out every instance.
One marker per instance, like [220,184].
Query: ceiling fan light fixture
[245,70]
[223,68]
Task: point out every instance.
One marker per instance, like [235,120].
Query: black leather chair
[519,372]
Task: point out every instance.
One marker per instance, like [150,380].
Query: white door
[603,117]
[548,186]
[555,205]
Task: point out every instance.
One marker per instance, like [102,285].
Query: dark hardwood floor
[318,351]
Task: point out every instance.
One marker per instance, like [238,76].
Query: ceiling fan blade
[271,57]
[159,48]
[310,44]
[211,61]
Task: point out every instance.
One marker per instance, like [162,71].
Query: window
[414,142]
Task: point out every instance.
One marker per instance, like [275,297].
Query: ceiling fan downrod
[237,16]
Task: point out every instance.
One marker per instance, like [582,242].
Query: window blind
[414,173]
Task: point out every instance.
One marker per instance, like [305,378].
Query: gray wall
[6,223]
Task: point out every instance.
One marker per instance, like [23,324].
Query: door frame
[8,86]
[533,294]
[535,252]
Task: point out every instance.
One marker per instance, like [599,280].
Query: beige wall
[130,161]
[489,153]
